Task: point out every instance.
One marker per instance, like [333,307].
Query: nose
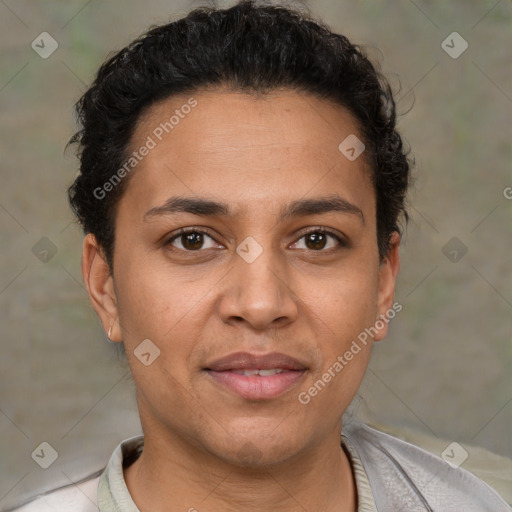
[259,293]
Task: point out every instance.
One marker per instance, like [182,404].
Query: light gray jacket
[402,478]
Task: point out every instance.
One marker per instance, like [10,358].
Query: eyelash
[341,241]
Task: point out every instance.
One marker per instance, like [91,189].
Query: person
[242,190]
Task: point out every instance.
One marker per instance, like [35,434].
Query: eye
[191,239]
[318,240]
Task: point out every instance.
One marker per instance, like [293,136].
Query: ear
[389,268]
[100,286]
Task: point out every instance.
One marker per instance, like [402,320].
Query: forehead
[220,117]
[247,148]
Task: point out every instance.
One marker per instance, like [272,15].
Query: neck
[175,476]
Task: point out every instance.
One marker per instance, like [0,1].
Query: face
[278,270]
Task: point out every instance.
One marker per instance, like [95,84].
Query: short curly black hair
[250,47]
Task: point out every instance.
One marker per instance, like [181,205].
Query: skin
[206,447]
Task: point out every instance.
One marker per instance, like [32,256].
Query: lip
[246,360]
[254,387]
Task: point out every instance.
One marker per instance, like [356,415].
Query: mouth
[256,377]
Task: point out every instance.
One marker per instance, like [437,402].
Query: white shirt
[391,475]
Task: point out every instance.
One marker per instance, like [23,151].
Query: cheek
[162,305]
[152,300]
[159,318]
[344,308]
[346,299]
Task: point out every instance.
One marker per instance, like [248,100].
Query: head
[241,188]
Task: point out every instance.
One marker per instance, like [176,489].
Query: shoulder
[106,486]
[80,497]
[402,473]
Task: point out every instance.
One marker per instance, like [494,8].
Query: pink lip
[255,387]
[245,360]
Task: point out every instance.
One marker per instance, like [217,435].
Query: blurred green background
[445,368]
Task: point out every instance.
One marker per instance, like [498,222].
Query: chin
[252,456]
[257,448]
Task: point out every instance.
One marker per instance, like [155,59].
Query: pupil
[192,240]
[195,240]
[318,238]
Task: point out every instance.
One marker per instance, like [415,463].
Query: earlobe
[387,280]
[100,286]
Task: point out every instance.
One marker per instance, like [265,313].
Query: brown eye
[319,240]
[192,240]
[315,241]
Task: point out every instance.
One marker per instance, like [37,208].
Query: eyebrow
[298,208]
